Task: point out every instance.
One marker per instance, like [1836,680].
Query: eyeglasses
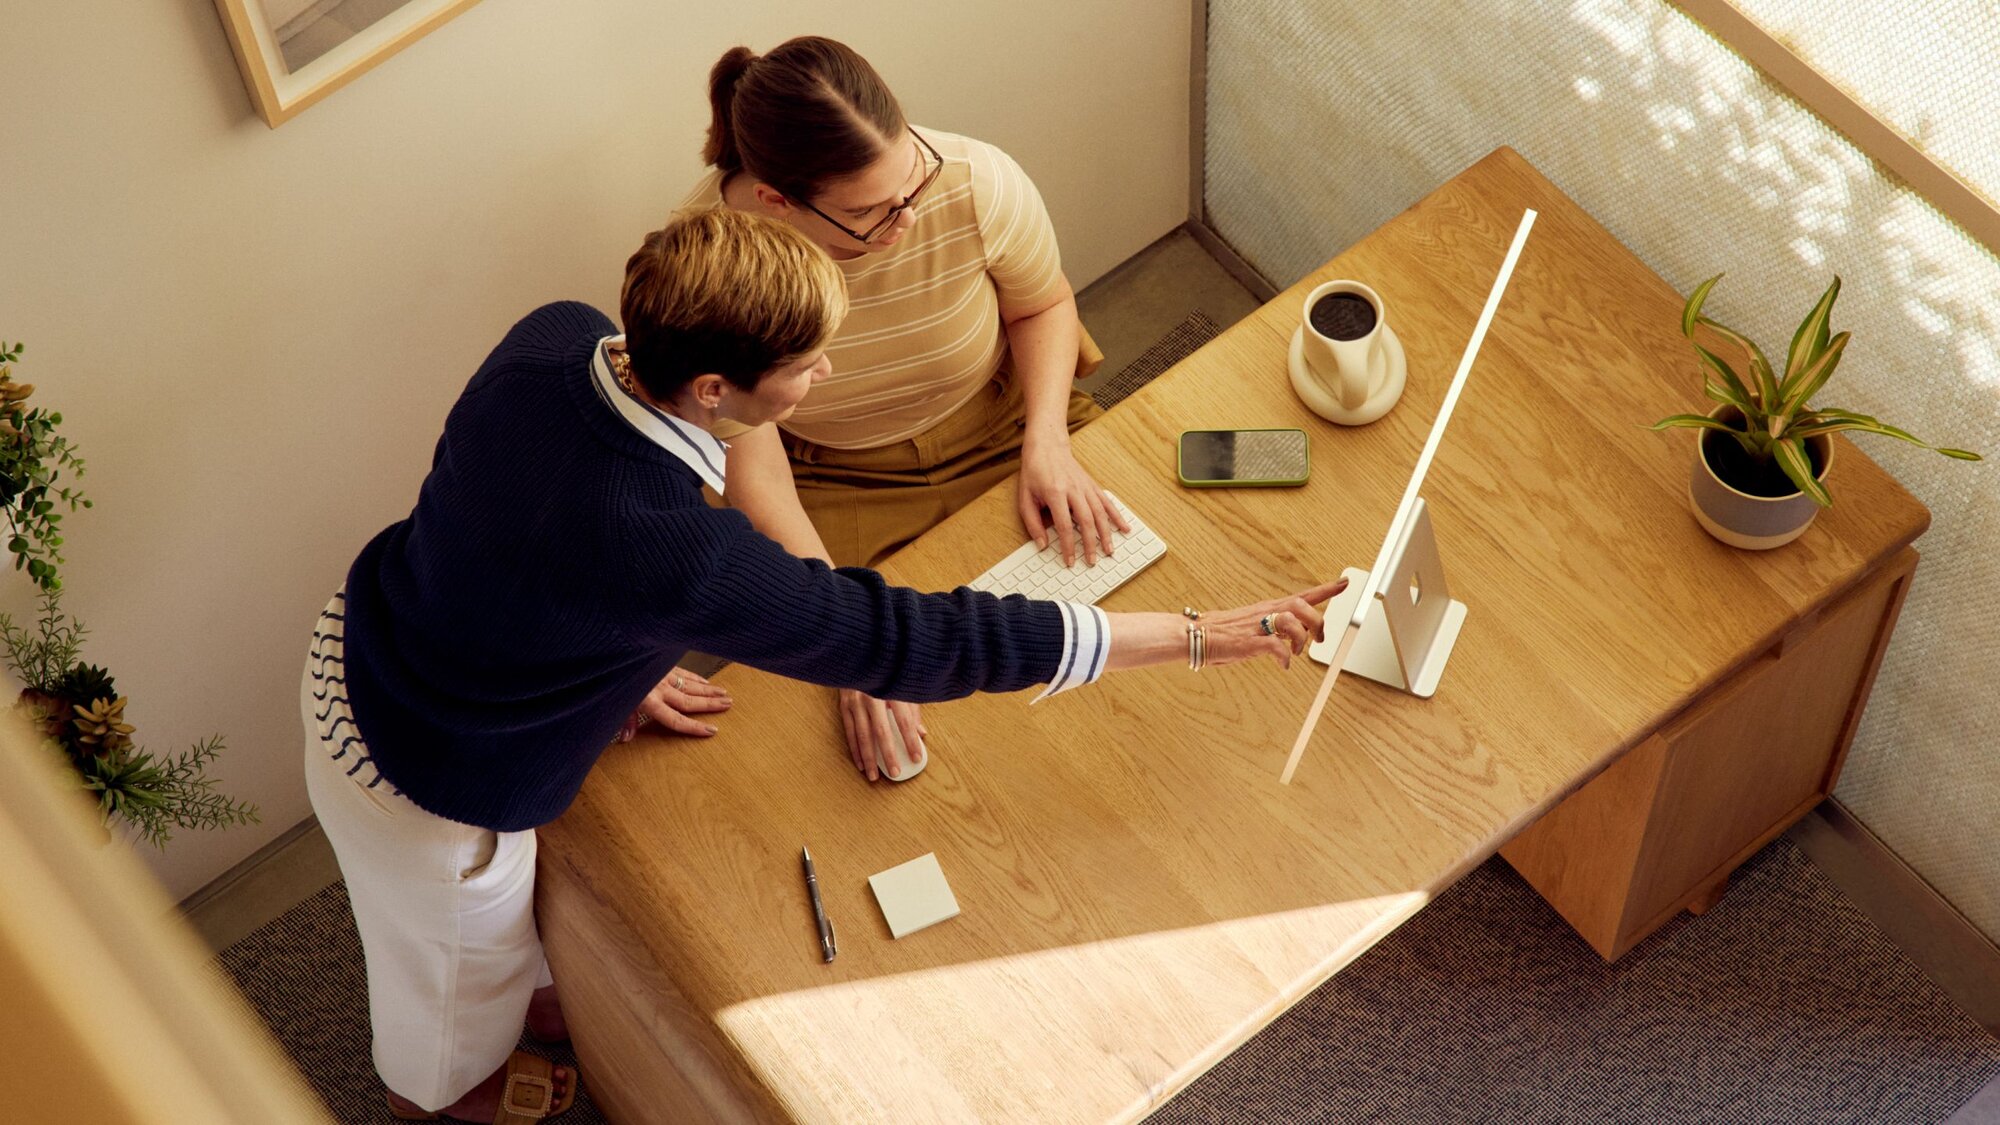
[889,219]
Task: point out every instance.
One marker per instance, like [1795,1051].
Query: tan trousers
[868,503]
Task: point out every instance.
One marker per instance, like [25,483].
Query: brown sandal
[528,1095]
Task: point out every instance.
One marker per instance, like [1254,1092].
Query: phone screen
[1247,456]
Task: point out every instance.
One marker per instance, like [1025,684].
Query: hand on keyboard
[1039,572]
[1058,499]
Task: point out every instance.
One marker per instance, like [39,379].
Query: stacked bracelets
[1197,638]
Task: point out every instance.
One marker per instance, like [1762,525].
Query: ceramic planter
[1740,519]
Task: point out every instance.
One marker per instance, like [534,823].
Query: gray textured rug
[1782,1004]
[301,973]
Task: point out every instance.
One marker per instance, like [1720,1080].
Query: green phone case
[1280,480]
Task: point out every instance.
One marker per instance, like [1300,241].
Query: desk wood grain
[1139,893]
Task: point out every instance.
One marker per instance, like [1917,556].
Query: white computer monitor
[1409,549]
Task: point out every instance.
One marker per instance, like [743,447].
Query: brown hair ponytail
[810,112]
[720,151]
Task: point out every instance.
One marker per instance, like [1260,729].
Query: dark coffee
[1343,316]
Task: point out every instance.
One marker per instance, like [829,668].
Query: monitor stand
[1408,635]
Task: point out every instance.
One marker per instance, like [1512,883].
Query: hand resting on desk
[674,702]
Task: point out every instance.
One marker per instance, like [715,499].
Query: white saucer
[1322,402]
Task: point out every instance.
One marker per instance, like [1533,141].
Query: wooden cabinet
[1661,829]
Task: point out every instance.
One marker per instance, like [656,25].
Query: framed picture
[294,52]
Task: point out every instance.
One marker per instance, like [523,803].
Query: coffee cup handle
[1355,378]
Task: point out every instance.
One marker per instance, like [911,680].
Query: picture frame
[263,33]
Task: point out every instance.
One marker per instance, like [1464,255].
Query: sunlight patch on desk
[1158,1008]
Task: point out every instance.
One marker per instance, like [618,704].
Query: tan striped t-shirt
[923,333]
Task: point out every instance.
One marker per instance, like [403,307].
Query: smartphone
[1244,458]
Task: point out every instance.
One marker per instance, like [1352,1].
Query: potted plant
[76,706]
[1764,450]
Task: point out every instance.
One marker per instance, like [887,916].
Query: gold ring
[679,683]
[1266,623]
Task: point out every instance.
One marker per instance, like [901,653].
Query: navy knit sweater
[558,564]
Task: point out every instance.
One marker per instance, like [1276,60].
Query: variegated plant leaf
[1765,380]
[1744,399]
[1691,313]
[1799,389]
[1792,458]
[1692,422]
[1811,337]
[1833,421]
[1719,393]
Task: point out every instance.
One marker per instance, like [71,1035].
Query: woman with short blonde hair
[558,563]
[709,282]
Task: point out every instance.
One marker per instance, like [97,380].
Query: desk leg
[1708,896]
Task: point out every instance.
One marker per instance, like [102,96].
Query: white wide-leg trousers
[445,910]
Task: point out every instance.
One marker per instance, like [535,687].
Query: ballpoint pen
[826,946]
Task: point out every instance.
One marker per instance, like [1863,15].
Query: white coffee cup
[1349,381]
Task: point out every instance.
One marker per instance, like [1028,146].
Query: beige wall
[255,334]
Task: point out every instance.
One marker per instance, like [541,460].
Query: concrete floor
[1127,310]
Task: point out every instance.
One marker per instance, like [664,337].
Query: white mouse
[911,770]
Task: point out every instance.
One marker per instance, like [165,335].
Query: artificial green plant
[76,706]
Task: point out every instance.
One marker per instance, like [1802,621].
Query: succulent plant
[101,729]
[77,704]
[86,683]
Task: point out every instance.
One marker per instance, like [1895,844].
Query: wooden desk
[1139,893]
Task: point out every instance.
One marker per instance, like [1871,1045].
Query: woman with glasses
[957,363]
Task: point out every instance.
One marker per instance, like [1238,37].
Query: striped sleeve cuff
[1086,645]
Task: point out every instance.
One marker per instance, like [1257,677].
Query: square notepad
[914,895]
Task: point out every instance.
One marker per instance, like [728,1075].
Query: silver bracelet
[1197,647]
[1191,613]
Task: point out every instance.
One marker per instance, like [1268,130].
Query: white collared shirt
[1086,629]
[697,448]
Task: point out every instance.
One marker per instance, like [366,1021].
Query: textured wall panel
[1325,120]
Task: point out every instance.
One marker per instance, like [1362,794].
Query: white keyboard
[1041,574]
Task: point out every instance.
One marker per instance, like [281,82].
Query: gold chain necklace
[621,370]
